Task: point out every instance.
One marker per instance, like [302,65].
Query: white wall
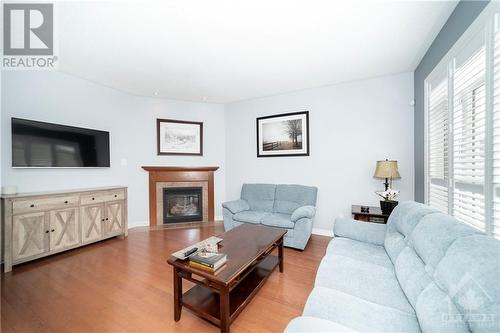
[351,126]
[60,98]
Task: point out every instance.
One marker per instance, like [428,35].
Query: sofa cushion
[278,220]
[291,197]
[368,232]
[260,197]
[357,313]
[425,247]
[303,212]
[306,324]
[367,281]
[401,222]
[469,274]
[250,216]
[432,237]
[236,206]
[362,251]
[437,313]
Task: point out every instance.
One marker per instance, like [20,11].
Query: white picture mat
[179,138]
[304,135]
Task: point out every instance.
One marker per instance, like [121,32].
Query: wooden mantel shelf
[179,174]
[180,168]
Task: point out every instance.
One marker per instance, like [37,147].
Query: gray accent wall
[464,14]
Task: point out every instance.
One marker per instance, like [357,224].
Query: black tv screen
[45,145]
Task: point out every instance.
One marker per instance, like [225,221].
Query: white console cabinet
[36,225]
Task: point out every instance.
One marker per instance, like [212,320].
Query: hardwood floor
[125,285]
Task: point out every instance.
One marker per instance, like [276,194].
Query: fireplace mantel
[179,174]
[179,168]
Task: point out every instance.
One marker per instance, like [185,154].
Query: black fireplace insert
[182,204]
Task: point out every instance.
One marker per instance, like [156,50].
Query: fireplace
[182,204]
[161,177]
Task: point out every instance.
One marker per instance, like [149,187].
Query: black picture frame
[174,121]
[303,151]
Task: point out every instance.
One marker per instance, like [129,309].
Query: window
[495,142]
[463,127]
[469,114]
[438,145]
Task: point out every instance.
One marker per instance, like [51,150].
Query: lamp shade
[387,169]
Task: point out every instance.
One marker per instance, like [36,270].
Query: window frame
[444,70]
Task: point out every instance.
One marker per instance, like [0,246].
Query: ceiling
[225,51]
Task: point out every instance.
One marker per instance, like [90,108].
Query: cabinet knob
[46,231]
[93,198]
[52,230]
[116,195]
[102,220]
[32,205]
[66,201]
[107,219]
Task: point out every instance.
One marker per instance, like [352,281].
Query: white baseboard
[322,232]
[218,219]
[139,224]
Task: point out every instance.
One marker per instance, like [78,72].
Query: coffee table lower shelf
[206,303]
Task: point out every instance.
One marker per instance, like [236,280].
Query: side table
[374,214]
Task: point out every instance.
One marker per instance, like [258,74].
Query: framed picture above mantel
[178,137]
[284,134]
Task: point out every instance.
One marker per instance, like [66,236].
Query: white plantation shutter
[463,127]
[495,227]
[469,130]
[438,145]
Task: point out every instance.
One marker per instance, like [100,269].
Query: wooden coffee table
[220,297]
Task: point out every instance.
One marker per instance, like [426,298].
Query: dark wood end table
[374,214]
[221,296]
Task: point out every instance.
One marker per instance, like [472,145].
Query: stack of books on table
[208,261]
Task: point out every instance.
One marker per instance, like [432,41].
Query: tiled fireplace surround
[159,197]
[162,177]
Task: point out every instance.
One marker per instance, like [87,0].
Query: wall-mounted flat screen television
[45,145]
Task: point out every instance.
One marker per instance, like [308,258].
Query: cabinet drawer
[102,197]
[24,206]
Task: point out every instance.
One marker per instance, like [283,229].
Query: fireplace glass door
[182,204]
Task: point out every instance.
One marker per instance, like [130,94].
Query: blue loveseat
[291,207]
[422,272]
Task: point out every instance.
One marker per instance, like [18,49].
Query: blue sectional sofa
[291,207]
[422,272]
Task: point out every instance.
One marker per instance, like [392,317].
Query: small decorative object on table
[373,215]
[211,244]
[387,170]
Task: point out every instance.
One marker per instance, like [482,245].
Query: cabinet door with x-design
[29,235]
[114,220]
[92,218]
[64,228]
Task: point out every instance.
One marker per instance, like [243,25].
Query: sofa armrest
[303,212]
[361,231]
[236,206]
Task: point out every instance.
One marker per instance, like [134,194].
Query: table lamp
[387,170]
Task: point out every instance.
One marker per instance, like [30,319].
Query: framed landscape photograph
[177,137]
[283,135]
